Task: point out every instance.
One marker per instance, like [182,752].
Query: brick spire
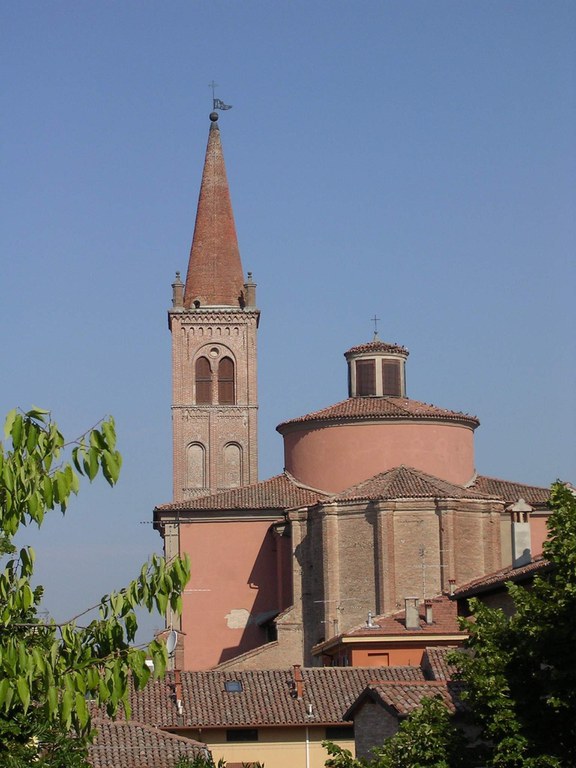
[215,275]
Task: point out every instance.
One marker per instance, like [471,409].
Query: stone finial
[177,292]
[249,291]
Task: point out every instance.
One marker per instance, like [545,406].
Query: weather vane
[217,103]
[375,321]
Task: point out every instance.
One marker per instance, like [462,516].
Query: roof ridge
[404,683]
[510,482]
[302,485]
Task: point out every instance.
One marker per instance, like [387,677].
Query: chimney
[298,682]
[177,292]
[521,540]
[412,620]
[178,691]
[428,611]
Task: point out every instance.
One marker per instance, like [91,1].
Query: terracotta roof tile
[510,492]
[377,346]
[435,663]
[278,492]
[214,270]
[405,698]
[266,697]
[122,744]
[406,482]
[497,579]
[385,408]
[444,621]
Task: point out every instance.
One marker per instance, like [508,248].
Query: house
[381,707]
[278,717]
[400,638]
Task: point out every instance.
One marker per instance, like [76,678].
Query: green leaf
[81,710]
[32,437]
[10,418]
[66,708]
[5,684]
[39,414]
[92,464]
[52,698]
[16,431]
[48,492]
[23,692]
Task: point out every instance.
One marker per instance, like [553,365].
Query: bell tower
[213,322]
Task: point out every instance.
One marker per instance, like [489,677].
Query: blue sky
[414,160]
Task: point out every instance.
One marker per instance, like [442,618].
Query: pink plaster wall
[234,567]
[336,457]
[538,533]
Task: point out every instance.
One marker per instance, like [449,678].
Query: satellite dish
[171,641]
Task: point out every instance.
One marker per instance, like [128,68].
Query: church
[379,504]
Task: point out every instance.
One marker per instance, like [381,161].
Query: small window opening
[242,734]
[233,686]
[391,384]
[338,732]
[365,377]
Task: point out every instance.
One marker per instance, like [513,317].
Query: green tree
[521,677]
[50,672]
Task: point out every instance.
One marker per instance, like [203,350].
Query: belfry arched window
[226,393]
[203,375]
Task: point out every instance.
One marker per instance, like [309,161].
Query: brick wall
[214,445]
[372,726]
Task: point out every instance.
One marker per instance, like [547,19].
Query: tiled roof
[406,483]
[403,698]
[278,492]
[377,346]
[385,408]
[266,697]
[435,663]
[122,744]
[444,621]
[497,579]
[511,492]
[406,698]
[214,270]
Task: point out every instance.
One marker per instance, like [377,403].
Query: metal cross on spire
[217,103]
[375,321]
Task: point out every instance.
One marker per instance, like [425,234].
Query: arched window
[203,381]
[196,466]
[226,394]
[232,466]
